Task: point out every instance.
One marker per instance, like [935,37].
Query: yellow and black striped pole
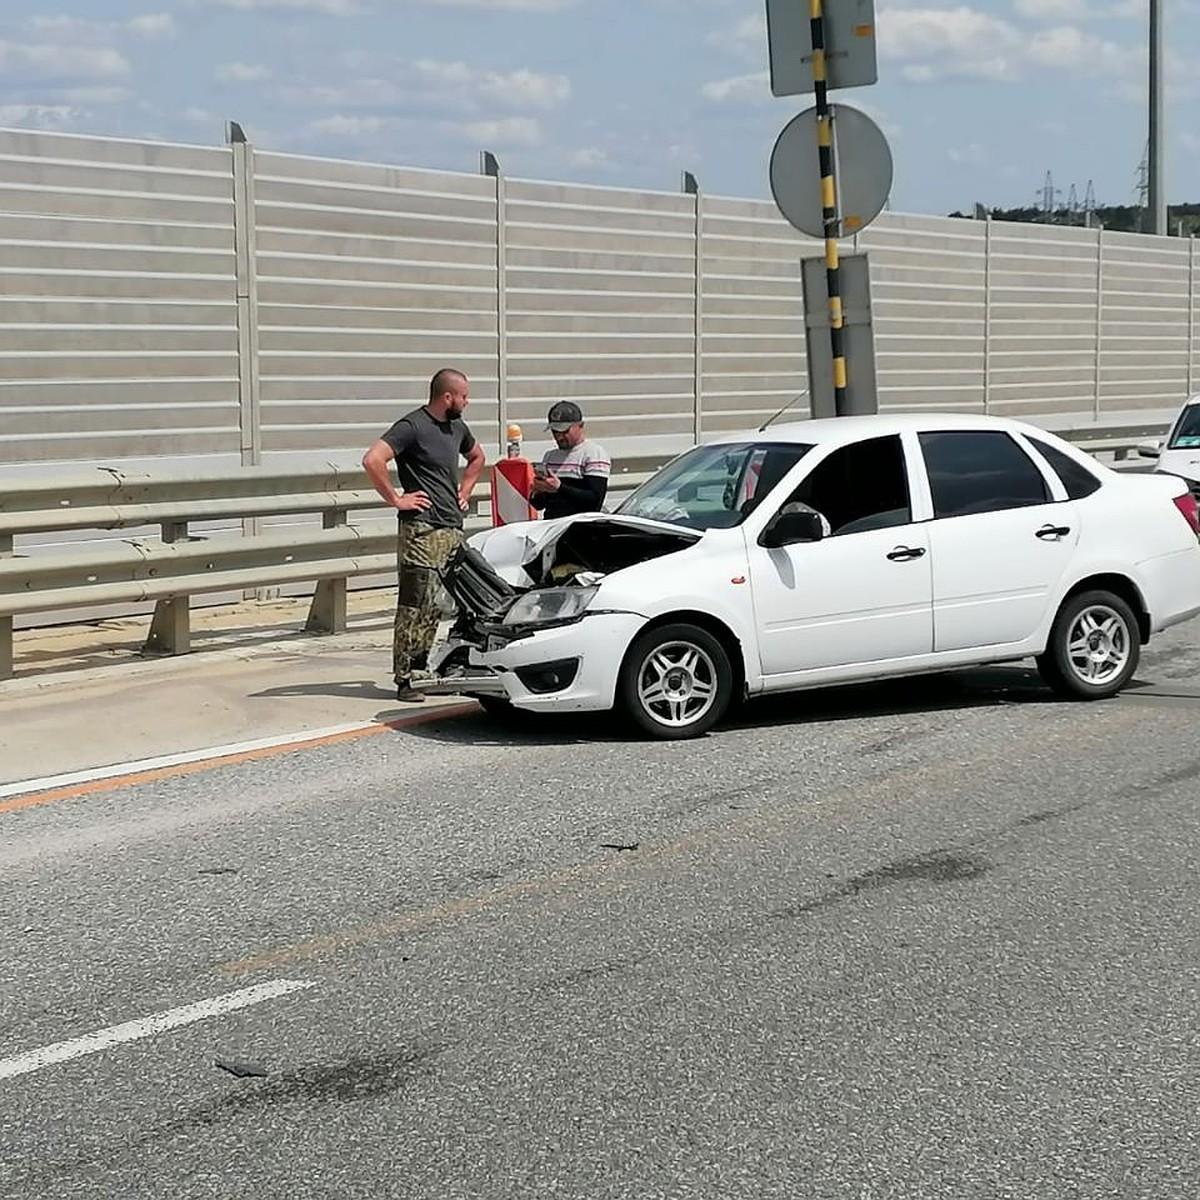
[829,213]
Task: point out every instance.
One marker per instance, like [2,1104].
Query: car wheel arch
[1119,585]
[729,640]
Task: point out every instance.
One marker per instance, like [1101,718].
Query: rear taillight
[1187,505]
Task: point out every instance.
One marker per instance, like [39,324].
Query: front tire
[1094,647]
[502,711]
[676,682]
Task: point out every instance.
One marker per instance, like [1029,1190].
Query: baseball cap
[563,415]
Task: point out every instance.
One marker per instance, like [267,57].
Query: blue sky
[978,100]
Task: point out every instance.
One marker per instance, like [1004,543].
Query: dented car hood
[519,552]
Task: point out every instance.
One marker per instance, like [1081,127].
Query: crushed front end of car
[528,624]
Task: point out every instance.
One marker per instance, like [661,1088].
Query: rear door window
[980,471]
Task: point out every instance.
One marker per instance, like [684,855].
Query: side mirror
[792,524]
[1148,449]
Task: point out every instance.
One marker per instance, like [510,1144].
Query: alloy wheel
[677,684]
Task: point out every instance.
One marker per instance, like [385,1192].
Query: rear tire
[1093,649]
[676,682]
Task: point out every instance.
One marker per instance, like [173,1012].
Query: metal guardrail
[177,565]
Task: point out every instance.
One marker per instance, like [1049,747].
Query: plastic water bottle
[513,434]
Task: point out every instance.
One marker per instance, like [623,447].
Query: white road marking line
[47,782]
[132,1031]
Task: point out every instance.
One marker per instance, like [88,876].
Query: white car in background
[824,552]
[1179,453]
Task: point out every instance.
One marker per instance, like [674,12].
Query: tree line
[1183,220]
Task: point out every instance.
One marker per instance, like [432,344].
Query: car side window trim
[1058,490]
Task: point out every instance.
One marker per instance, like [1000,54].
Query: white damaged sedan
[824,552]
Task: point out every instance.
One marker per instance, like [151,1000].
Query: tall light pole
[1156,203]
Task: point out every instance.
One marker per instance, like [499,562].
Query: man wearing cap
[573,477]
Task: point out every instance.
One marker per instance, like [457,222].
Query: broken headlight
[550,606]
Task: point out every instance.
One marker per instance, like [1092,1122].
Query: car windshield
[1186,434]
[714,487]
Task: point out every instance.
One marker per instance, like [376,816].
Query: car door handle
[1053,531]
[904,553]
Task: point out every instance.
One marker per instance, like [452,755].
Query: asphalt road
[932,939]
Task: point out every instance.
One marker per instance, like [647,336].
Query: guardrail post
[6,622]
[170,627]
[327,613]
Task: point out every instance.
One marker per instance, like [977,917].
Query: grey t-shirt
[427,454]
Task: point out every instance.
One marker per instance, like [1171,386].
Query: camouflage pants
[420,550]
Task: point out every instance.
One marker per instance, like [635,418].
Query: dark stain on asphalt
[1178,775]
[939,866]
[351,1081]
[1048,815]
[584,974]
[345,1082]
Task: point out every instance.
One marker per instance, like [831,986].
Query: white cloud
[591,157]
[349,8]
[237,72]
[352,128]
[1070,48]
[64,28]
[970,155]
[934,44]
[44,60]
[333,8]
[432,85]
[153,26]
[514,89]
[515,5]
[1080,10]
[93,95]
[747,39]
[957,41]
[522,89]
[507,131]
[39,116]
[1053,10]
[740,89]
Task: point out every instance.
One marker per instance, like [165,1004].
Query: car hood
[1180,461]
[488,573]
[522,554]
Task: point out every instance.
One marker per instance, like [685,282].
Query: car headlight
[548,606]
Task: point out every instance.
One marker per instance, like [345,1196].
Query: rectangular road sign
[858,336]
[849,45]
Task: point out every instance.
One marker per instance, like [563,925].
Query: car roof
[829,430]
